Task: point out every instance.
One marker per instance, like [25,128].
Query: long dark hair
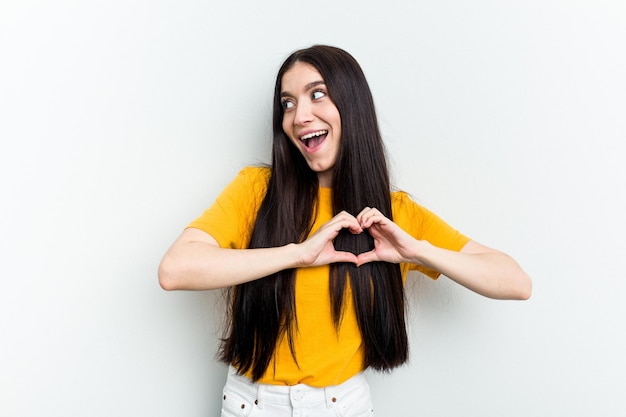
[263,310]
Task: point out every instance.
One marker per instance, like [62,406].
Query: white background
[120,122]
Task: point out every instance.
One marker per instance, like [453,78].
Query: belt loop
[260,395]
[330,395]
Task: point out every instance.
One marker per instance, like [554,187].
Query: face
[311,119]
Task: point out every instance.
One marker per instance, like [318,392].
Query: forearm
[490,273]
[197,262]
[203,266]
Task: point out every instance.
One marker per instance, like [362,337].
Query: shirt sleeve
[231,218]
[423,224]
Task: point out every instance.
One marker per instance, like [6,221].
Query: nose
[304,113]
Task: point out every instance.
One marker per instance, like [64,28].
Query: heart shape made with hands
[385,240]
[378,241]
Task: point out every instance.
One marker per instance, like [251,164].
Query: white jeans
[245,398]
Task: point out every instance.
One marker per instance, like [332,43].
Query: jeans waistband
[300,394]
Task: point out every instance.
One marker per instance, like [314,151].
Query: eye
[287,104]
[317,94]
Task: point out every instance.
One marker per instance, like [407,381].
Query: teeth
[313,134]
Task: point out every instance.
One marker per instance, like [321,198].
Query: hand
[319,250]
[391,243]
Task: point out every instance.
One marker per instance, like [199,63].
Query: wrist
[295,256]
[421,252]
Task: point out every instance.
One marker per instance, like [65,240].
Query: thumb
[345,257]
[366,257]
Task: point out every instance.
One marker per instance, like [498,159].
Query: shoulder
[255,173]
[406,212]
[424,224]
[411,215]
[402,202]
[246,189]
[252,179]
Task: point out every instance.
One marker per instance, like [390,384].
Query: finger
[362,213]
[345,257]
[344,214]
[352,225]
[367,257]
[367,213]
[371,217]
[345,220]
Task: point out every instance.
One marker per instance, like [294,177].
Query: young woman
[315,250]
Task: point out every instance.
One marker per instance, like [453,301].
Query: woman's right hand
[319,250]
[196,261]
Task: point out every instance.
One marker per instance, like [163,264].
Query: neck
[325,179]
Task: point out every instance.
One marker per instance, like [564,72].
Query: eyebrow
[306,88]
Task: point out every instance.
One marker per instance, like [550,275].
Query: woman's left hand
[391,243]
[481,269]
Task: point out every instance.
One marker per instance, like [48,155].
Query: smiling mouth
[313,139]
